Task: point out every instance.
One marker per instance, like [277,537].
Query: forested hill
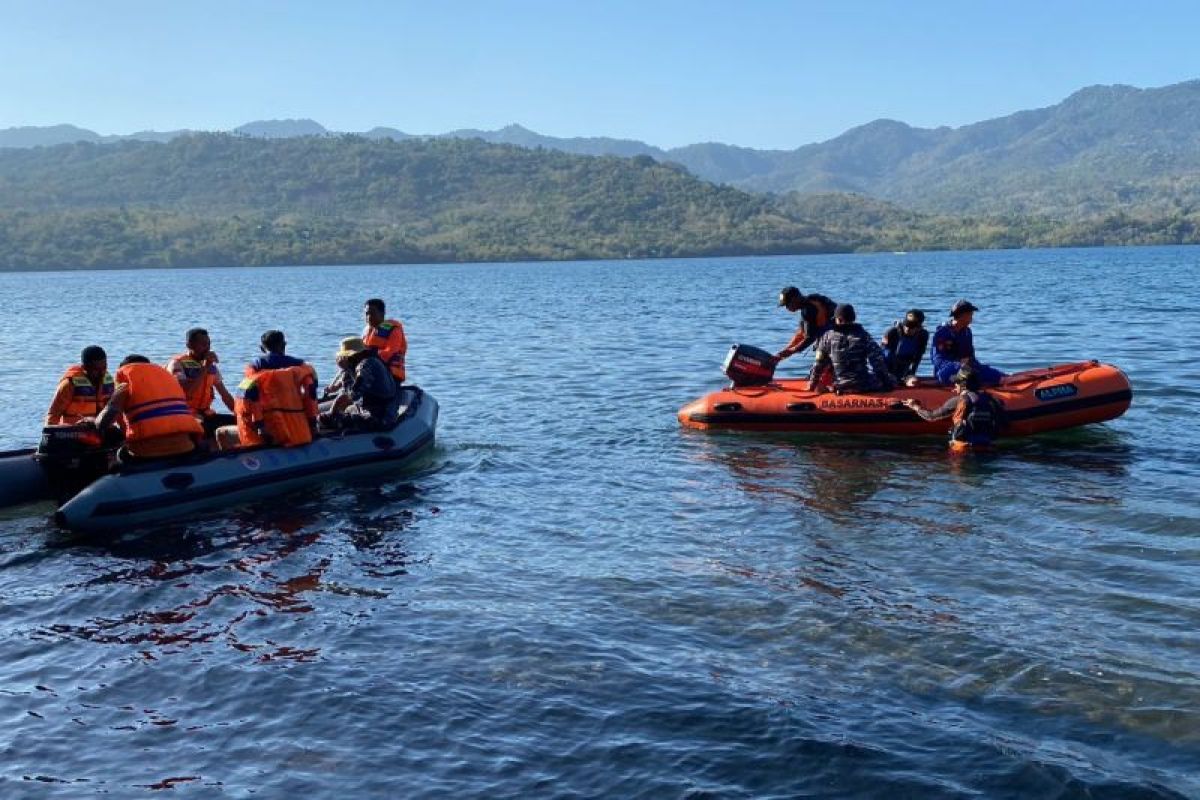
[218,199]
[221,199]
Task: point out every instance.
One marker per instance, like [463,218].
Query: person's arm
[922,346]
[879,366]
[821,362]
[219,386]
[948,408]
[890,340]
[111,414]
[62,399]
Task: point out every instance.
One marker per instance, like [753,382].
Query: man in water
[853,356]
[816,315]
[977,415]
[954,348]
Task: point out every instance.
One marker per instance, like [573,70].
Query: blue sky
[755,73]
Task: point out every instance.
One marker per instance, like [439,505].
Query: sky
[757,73]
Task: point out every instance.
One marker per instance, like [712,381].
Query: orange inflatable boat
[1035,401]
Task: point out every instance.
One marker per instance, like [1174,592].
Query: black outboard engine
[73,457]
[749,366]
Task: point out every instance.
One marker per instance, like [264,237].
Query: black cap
[273,340]
[915,315]
[787,293]
[962,307]
[92,353]
[845,312]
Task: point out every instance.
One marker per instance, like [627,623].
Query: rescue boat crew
[84,389]
[816,317]
[954,348]
[276,402]
[369,397]
[273,344]
[386,336]
[852,355]
[977,415]
[904,345]
[152,408]
[198,376]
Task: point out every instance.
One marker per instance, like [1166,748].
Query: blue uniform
[950,347]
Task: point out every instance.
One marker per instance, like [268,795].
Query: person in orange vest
[386,336]
[198,375]
[84,389]
[276,403]
[151,406]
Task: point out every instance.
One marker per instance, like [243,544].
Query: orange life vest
[388,340]
[200,396]
[86,399]
[277,406]
[154,405]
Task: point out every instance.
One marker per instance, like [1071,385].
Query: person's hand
[911,380]
[912,403]
[781,355]
[210,358]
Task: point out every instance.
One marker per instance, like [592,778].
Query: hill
[1103,150]
[221,199]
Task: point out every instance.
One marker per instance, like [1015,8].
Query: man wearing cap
[904,345]
[368,396]
[816,315]
[954,348]
[853,356]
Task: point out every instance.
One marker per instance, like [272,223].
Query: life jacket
[86,399]
[387,338]
[200,395]
[277,406]
[952,345]
[977,419]
[155,405]
[822,310]
[908,347]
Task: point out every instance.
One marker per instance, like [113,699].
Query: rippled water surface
[572,596]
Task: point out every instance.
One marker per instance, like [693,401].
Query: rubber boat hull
[152,493]
[22,480]
[1036,401]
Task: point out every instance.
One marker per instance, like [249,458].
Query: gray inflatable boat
[22,479]
[149,493]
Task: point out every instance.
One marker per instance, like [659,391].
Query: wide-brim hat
[351,346]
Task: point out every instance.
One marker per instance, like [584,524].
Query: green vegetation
[218,199]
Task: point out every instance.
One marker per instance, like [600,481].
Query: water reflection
[235,578]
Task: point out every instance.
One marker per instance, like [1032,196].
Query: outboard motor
[73,457]
[749,366]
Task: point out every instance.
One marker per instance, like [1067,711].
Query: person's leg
[945,372]
[988,376]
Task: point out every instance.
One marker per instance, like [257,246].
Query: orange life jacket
[277,406]
[86,399]
[155,405]
[388,340]
[200,396]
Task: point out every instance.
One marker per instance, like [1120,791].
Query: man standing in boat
[852,355]
[816,317]
[954,348]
